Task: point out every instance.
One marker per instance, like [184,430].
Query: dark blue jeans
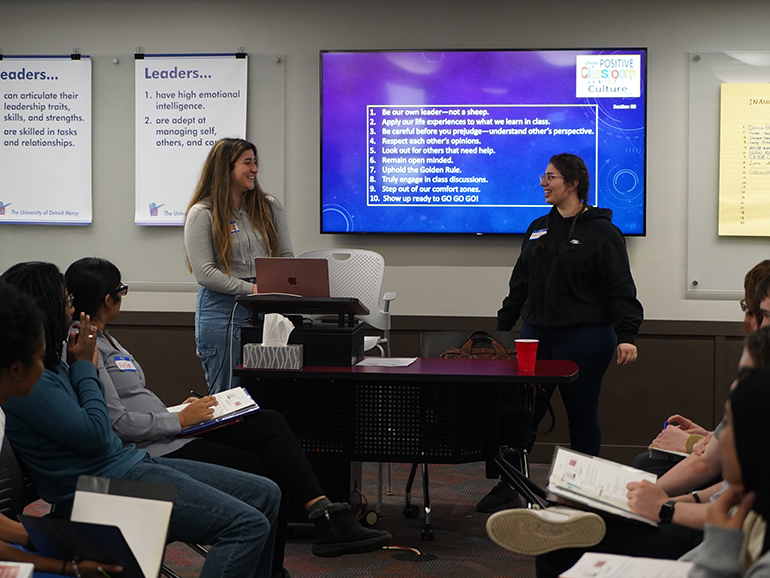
[591,347]
[233,511]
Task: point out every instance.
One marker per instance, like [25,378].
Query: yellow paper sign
[744,160]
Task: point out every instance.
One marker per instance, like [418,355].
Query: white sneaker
[535,532]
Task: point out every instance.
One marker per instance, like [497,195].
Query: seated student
[62,430]
[262,443]
[704,464]
[22,347]
[736,542]
[682,434]
[559,536]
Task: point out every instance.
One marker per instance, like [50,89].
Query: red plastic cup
[526,353]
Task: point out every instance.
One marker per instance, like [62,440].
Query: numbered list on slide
[453,155]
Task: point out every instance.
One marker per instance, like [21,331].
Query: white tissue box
[258,356]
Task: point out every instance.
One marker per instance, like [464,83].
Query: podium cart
[325,326]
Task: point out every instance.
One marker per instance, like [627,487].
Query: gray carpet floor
[460,548]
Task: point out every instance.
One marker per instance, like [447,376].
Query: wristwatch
[666,512]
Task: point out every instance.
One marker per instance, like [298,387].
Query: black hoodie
[579,279]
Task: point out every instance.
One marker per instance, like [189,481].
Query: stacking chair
[358,273]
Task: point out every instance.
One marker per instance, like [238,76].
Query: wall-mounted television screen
[454,141]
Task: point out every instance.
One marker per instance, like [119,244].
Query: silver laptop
[290,276]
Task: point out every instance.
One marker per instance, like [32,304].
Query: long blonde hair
[213,189]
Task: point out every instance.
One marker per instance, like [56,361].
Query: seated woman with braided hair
[262,443]
[62,431]
[22,348]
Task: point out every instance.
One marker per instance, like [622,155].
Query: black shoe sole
[517,503]
[342,548]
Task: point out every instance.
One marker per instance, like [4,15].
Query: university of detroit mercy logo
[154,209]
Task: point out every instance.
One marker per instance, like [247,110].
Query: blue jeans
[591,347]
[233,511]
[216,341]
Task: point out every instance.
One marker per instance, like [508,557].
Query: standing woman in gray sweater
[229,222]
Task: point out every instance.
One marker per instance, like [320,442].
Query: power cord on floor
[407,554]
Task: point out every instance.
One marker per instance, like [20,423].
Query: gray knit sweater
[247,244]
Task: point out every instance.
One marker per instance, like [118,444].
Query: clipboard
[141,510]
[218,422]
[67,540]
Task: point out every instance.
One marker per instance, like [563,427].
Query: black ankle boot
[337,534]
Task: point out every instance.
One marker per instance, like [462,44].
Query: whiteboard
[716,265]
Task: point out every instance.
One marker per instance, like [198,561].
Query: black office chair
[16,491]
[517,403]
[521,404]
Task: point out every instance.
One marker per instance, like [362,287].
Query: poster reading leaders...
[45,151]
[184,104]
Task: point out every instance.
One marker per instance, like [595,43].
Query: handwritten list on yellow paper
[744,160]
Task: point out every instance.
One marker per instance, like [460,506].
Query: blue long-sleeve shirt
[62,430]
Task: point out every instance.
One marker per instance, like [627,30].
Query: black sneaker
[502,497]
[337,533]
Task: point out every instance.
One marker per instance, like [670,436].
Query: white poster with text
[184,104]
[45,157]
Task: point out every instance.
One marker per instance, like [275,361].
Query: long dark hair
[22,324]
[45,283]
[573,169]
[90,280]
[213,189]
[750,404]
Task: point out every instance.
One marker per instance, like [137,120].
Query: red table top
[431,368]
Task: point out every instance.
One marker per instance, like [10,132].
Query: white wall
[434,275]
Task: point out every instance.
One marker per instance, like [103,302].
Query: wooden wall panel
[684,367]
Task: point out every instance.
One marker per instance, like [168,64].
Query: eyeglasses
[549,177]
[744,306]
[122,290]
[70,300]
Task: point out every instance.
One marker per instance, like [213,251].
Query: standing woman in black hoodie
[572,287]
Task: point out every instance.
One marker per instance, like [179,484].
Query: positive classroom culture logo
[608,76]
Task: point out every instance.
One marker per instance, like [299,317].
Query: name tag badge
[537,234]
[234,227]
[124,363]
